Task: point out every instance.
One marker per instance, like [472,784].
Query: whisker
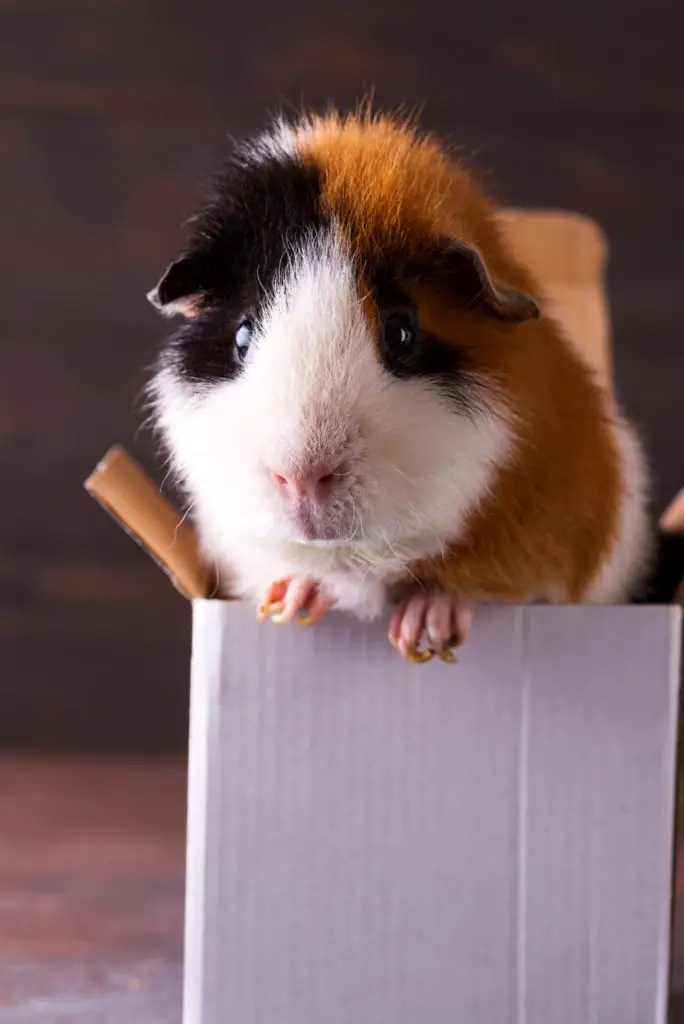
[182,520]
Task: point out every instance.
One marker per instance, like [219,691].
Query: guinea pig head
[324,385]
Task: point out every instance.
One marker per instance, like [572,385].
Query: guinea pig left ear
[468,276]
[182,288]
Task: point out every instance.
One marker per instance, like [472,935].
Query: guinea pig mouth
[328,524]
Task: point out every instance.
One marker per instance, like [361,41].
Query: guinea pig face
[307,396]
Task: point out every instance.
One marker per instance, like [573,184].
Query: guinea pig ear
[182,288]
[468,276]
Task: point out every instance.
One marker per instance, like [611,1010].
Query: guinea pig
[366,405]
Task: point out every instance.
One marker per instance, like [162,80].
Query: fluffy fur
[489,462]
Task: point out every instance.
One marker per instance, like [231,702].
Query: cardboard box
[373,842]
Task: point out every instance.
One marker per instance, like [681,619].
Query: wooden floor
[91,893]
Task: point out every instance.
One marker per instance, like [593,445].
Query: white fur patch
[277,141]
[314,384]
[631,549]
[627,561]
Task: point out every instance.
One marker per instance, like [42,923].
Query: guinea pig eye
[243,338]
[399,333]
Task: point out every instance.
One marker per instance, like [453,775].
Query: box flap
[120,486]
[672,519]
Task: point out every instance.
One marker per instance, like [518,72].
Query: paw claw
[415,656]
[429,623]
[299,599]
[446,653]
[270,609]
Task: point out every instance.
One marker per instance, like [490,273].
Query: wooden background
[110,113]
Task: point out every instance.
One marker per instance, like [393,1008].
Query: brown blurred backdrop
[110,114]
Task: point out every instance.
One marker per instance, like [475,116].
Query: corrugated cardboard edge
[129,496]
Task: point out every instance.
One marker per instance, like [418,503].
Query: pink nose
[315,484]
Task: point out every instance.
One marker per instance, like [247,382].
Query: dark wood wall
[110,113]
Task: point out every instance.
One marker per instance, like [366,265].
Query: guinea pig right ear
[182,288]
[464,271]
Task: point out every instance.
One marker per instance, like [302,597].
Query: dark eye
[399,333]
[243,338]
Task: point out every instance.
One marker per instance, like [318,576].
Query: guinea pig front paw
[430,622]
[286,599]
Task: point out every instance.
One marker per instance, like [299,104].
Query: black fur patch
[665,572]
[262,210]
[433,358]
[260,213]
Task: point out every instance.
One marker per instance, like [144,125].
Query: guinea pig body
[364,403]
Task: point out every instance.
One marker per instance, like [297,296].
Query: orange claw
[436,617]
[269,608]
[274,602]
[420,657]
[414,655]
[299,598]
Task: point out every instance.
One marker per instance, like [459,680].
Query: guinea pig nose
[316,483]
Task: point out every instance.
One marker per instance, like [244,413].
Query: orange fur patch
[551,516]
[393,187]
